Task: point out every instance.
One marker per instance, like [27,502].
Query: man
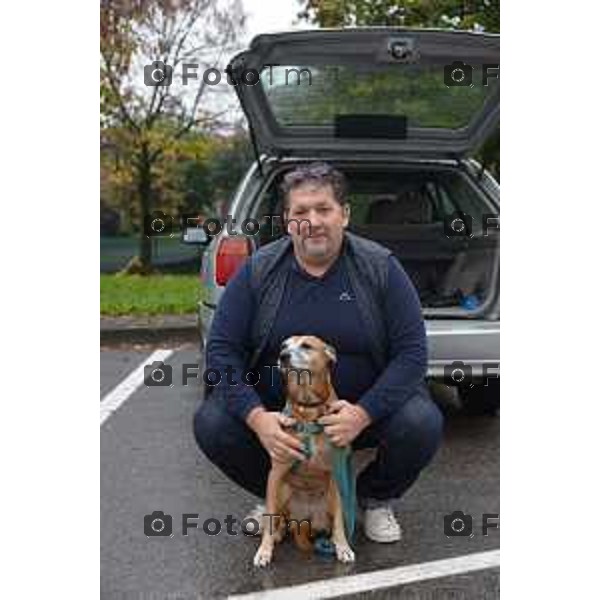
[353,294]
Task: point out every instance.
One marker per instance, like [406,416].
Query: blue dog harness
[342,474]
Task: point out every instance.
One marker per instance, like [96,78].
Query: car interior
[410,213]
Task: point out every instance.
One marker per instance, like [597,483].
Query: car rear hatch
[390,92]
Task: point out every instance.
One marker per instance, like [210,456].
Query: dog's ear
[330,353]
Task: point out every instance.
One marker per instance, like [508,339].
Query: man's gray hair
[318,174]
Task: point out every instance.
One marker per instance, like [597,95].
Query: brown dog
[305,494]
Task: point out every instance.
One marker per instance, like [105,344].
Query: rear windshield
[309,95]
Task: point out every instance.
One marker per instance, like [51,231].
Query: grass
[152,295]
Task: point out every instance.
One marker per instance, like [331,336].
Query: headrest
[410,206]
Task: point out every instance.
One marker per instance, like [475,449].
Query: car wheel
[480,399]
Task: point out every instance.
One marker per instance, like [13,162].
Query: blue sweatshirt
[325,307]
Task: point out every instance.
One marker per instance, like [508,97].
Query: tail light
[231,254]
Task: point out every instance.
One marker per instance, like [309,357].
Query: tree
[458,14]
[147,101]
[202,171]
[197,173]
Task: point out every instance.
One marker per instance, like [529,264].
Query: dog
[306,493]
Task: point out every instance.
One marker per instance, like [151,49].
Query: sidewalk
[149,329]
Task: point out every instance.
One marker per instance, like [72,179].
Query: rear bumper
[476,344]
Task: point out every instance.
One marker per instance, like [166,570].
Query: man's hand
[344,421]
[268,426]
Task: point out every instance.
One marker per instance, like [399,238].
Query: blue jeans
[406,442]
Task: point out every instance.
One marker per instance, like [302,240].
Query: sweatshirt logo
[345,297]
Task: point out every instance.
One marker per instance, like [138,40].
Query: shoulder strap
[373,258]
[265,259]
[268,285]
[368,268]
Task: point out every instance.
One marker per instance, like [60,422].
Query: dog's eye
[305,346]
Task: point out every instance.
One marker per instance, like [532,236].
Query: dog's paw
[263,557]
[344,553]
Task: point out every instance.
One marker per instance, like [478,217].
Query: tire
[481,400]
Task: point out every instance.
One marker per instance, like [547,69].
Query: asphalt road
[150,462]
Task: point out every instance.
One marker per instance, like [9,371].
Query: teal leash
[342,473]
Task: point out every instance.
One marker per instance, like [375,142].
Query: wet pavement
[150,462]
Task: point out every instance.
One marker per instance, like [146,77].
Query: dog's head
[305,363]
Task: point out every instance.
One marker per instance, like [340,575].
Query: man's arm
[229,344]
[229,347]
[408,347]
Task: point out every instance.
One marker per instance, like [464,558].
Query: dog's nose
[285,356]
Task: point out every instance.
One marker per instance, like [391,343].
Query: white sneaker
[257,514]
[381,525]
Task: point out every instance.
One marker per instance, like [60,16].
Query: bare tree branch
[117,93]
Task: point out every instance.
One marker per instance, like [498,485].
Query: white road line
[354,584]
[127,387]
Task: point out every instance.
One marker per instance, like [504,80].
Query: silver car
[401,113]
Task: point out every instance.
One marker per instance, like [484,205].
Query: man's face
[318,229]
